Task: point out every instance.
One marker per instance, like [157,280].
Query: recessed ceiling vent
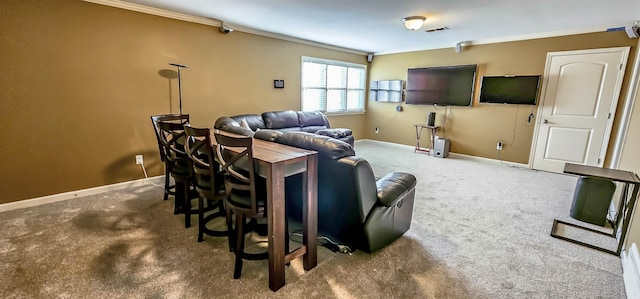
[437,29]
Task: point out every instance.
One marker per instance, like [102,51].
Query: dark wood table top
[606,173]
[268,151]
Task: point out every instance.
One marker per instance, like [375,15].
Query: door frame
[608,128]
[625,118]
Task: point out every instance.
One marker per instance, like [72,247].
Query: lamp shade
[413,22]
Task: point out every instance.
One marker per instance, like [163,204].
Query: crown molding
[157,12]
[215,23]
[541,35]
[514,38]
[297,40]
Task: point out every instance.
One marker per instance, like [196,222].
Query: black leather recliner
[354,208]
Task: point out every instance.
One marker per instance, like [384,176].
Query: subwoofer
[441,147]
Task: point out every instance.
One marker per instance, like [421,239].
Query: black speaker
[431,119]
[441,147]
[591,200]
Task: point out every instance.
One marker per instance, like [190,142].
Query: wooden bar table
[275,162]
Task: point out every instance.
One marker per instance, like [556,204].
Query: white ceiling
[374,26]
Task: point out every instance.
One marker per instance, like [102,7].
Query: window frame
[326,89]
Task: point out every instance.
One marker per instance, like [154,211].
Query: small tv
[441,86]
[520,90]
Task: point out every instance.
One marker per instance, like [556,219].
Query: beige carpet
[480,230]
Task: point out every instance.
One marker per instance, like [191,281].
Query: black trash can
[592,199]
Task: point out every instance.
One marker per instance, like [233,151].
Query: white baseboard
[453,155]
[160,180]
[631,271]
[79,193]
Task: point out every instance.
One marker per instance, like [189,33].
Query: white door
[579,98]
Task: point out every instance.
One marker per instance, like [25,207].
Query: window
[332,86]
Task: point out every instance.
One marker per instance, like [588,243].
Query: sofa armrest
[254,121]
[225,121]
[281,119]
[268,135]
[392,186]
[238,130]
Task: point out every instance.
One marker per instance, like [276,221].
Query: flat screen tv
[522,90]
[442,86]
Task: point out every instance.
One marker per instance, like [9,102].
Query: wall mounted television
[442,86]
[521,90]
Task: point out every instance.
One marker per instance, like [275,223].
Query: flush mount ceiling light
[413,22]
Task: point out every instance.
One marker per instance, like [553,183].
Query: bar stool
[209,181]
[246,194]
[178,118]
[173,138]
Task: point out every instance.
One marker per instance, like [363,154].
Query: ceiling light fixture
[413,22]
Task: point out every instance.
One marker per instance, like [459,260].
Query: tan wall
[80,80]
[630,160]
[476,130]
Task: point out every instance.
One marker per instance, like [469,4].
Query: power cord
[326,242]
[147,177]
[530,119]
[513,138]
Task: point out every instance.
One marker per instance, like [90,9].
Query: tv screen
[443,86]
[521,90]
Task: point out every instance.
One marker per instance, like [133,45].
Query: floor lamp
[179,66]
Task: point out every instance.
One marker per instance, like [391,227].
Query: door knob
[544,121]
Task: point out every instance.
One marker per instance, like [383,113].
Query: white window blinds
[332,86]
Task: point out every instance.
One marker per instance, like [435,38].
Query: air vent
[437,29]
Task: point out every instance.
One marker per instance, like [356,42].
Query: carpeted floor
[480,230]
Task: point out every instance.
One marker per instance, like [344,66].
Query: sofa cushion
[326,147]
[335,133]
[253,120]
[229,124]
[316,119]
[281,119]
[292,129]
[312,129]
[245,124]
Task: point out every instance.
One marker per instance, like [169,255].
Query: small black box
[431,119]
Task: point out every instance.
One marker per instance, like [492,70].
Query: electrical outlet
[499,146]
[377,130]
[139,160]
